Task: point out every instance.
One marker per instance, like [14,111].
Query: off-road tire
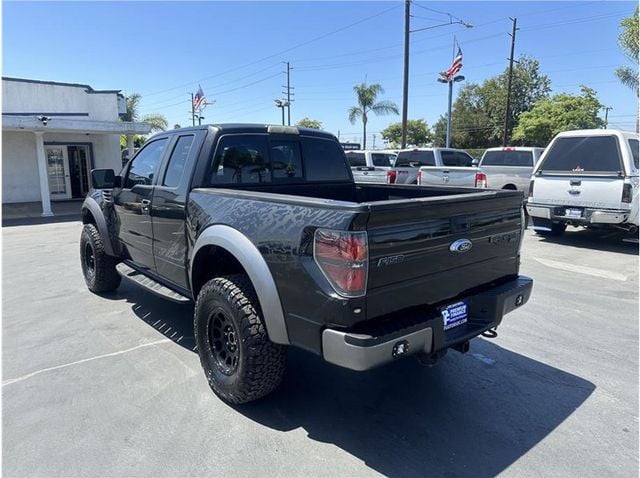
[98,268]
[259,363]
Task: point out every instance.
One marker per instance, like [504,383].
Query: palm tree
[367,95]
[157,121]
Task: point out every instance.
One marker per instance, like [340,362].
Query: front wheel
[98,268]
[239,360]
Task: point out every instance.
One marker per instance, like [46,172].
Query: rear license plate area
[454,315]
[573,212]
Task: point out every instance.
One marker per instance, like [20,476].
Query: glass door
[58,172]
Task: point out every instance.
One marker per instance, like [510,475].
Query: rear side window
[356,159]
[583,154]
[177,161]
[415,159]
[634,144]
[508,158]
[285,160]
[456,158]
[241,159]
[382,159]
[324,160]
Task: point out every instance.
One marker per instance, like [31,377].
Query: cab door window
[145,165]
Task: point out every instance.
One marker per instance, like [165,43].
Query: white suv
[586,178]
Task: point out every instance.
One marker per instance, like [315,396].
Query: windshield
[507,158]
[583,154]
[415,159]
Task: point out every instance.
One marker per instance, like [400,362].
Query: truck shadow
[471,415]
[605,241]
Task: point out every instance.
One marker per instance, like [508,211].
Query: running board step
[150,284]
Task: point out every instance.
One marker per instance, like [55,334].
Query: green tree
[367,96]
[561,112]
[628,41]
[478,111]
[309,123]
[418,133]
[157,121]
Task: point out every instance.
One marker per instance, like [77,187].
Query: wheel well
[510,186]
[87,217]
[210,262]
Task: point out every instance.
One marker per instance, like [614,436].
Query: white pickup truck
[369,166]
[436,167]
[586,178]
[509,167]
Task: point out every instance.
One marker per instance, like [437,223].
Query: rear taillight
[481,180]
[531,188]
[419,180]
[391,177]
[343,259]
[627,193]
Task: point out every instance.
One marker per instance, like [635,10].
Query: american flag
[199,100]
[456,66]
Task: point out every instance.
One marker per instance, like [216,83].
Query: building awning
[67,125]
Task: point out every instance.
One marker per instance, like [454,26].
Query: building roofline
[87,88]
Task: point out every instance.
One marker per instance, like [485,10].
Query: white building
[53,134]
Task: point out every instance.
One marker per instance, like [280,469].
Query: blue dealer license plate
[454,314]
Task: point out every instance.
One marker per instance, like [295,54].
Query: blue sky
[235,51]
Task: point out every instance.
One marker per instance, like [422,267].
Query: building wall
[29,97]
[20,181]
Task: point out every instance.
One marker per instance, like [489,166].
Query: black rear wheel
[239,360]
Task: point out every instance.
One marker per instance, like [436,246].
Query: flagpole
[193,112]
[448,142]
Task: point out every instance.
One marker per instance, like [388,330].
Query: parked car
[586,178]
[435,167]
[370,166]
[265,230]
[510,167]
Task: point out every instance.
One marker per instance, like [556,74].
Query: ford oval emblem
[461,245]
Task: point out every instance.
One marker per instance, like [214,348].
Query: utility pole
[374,141]
[405,83]
[506,113]
[606,115]
[288,92]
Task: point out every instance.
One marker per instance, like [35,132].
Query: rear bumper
[589,215]
[422,329]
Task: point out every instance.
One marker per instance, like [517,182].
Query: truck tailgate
[412,256]
[599,192]
[369,174]
[448,176]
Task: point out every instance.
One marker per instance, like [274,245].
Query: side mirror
[104,179]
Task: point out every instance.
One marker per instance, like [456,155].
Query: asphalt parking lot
[111,386]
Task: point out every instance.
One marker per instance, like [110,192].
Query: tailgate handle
[574,191]
[445,171]
[575,182]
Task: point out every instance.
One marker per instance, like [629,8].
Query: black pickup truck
[264,228]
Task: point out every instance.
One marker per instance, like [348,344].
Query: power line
[325,35]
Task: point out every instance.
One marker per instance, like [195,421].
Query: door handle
[145,205]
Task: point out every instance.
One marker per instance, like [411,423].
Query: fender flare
[101,223]
[248,255]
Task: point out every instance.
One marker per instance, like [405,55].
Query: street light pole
[449,114]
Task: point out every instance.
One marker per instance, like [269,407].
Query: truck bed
[410,233]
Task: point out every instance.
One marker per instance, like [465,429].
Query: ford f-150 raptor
[264,228]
